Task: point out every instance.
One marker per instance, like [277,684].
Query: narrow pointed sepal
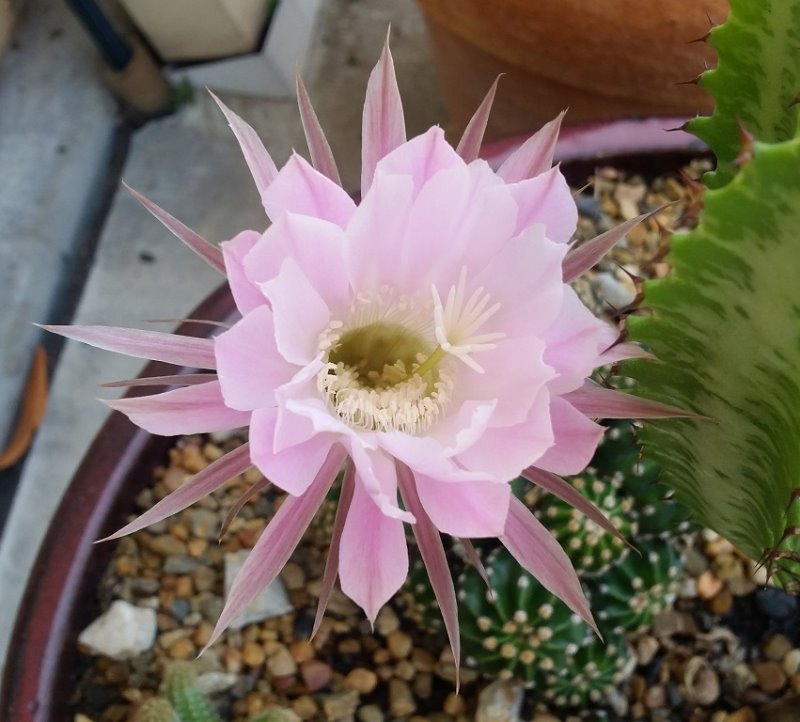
[174,380]
[538,552]
[475,561]
[210,253]
[154,345]
[469,147]
[200,485]
[276,543]
[622,352]
[534,156]
[258,159]
[383,124]
[332,562]
[582,258]
[597,402]
[555,485]
[318,147]
[238,505]
[435,560]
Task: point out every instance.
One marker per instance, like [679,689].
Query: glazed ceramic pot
[602,60]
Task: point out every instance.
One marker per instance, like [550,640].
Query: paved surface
[189,164]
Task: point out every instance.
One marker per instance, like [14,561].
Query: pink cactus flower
[425,340]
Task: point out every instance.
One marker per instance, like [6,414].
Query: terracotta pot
[602,60]
[60,600]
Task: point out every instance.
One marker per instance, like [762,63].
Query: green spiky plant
[725,323]
[183,701]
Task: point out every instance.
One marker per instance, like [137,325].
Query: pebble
[362,680]
[124,631]
[293,576]
[399,644]
[783,710]
[646,649]
[340,706]
[281,663]
[215,682]
[708,585]
[672,622]
[769,675]
[700,682]
[422,659]
[453,704]
[722,603]
[370,713]
[316,674]
[181,564]
[270,602]
[386,621]
[401,701]
[695,561]
[777,647]
[166,545]
[253,655]
[791,662]
[655,696]
[744,714]
[182,649]
[500,701]
[776,603]
[302,650]
[305,707]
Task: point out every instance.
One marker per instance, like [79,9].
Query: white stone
[500,701]
[124,631]
[214,682]
[271,602]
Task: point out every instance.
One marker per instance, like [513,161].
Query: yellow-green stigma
[384,376]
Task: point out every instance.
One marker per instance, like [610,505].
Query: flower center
[385,376]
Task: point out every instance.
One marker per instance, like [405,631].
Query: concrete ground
[58,153]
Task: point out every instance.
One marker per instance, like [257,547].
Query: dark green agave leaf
[725,326]
[756,81]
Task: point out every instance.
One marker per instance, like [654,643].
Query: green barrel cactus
[182,700]
[518,628]
[591,549]
[620,457]
[632,593]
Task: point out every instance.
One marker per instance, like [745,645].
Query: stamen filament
[430,363]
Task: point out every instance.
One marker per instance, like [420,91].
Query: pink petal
[435,560]
[188,410]
[298,188]
[245,293]
[471,141]
[166,347]
[173,380]
[574,343]
[248,363]
[600,403]
[471,509]
[567,493]
[207,251]
[377,474]
[233,512]
[421,158]
[332,562]
[376,233]
[258,160]
[534,156]
[317,246]
[321,155]
[576,439]
[524,279]
[299,313]
[277,543]
[373,559]
[583,257]
[383,125]
[503,451]
[541,555]
[461,429]
[200,485]
[292,428]
[546,198]
[293,469]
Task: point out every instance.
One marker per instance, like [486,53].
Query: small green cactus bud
[182,692]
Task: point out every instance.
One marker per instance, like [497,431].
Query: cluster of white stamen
[410,405]
[458,320]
